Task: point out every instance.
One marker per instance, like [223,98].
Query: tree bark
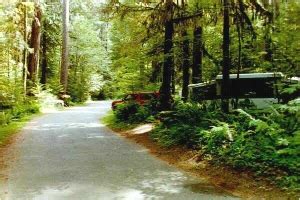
[25,52]
[197,55]
[165,90]
[185,66]
[226,59]
[65,48]
[237,88]
[44,59]
[156,71]
[33,58]
[173,84]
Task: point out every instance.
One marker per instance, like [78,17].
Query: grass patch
[12,128]
[113,123]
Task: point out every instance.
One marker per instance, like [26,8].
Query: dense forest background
[118,47]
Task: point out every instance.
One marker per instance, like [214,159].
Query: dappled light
[140,99]
[54,126]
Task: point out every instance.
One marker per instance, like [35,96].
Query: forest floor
[239,183]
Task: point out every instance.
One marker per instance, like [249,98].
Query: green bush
[182,126]
[23,109]
[181,134]
[18,111]
[132,112]
[3,118]
[267,142]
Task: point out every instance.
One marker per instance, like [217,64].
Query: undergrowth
[13,117]
[112,122]
[266,142]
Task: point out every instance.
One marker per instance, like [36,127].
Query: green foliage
[266,142]
[132,112]
[112,122]
[182,125]
[13,127]
[18,111]
[289,91]
[27,108]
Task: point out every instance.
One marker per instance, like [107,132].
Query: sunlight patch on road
[167,182]
[98,137]
[78,190]
[54,126]
[130,194]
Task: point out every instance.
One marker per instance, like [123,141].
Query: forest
[76,50]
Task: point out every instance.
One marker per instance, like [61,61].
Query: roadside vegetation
[171,46]
[31,39]
[265,142]
[13,117]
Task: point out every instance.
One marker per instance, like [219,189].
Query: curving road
[71,155]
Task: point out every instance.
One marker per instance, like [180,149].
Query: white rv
[259,88]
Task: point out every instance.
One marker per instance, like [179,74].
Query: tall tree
[24,60]
[185,65]
[165,90]
[44,58]
[226,57]
[197,55]
[33,59]
[65,47]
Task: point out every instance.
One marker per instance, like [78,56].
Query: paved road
[71,155]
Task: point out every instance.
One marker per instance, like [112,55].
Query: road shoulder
[240,184]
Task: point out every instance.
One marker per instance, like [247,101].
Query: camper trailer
[259,88]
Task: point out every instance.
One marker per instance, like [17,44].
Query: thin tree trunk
[33,58]
[156,70]
[142,74]
[173,84]
[238,26]
[25,52]
[65,48]
[44,60]
[185,66]
[226,59]
[165,90]
[8,62]
[268,29]
[197,55]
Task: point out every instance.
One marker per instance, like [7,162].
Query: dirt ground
[238,183]
[4,151]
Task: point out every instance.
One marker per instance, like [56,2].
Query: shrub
[132,112]
[267,142]
[3,118]
[22,109]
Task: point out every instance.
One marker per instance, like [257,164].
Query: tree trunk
[156,70]
[8,62]
[197,55]
[237,88]
[25,52]
[185,66]
[65,48]
[173,89]
[44,59]
[226,59]
[165,90]
[142,75]
[33,58]
[268,30]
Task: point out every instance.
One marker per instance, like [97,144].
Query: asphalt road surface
[71,155]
